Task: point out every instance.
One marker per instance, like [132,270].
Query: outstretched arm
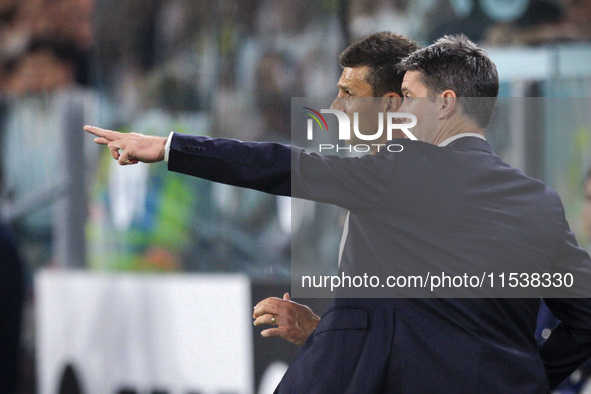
[295,322]
[130,148]
[265,166]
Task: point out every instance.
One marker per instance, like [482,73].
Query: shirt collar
[457,136]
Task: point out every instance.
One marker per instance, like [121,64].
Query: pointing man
[447,200]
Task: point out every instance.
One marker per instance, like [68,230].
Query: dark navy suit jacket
[458,205]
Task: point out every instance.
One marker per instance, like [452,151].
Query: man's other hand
[295,322]
[130,148]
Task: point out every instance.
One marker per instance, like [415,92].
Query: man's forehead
[353,75]
[410,78]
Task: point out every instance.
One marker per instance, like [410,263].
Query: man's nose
[403,105]
[338,103]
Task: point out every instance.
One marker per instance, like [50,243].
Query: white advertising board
[144,333]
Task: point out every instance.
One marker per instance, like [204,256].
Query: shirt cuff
[167,146]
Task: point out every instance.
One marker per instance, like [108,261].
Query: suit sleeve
[285,170]
[569,345]
[262,166]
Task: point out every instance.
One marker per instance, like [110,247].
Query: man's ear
[447,103]
[394,101]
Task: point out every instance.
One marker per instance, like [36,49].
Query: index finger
[108,134]
[269,305]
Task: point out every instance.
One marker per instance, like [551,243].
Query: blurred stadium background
[137,280]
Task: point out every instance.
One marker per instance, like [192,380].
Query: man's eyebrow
[343,87]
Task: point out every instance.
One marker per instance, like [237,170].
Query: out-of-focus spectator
[24,24]
[42,68]
[11,302]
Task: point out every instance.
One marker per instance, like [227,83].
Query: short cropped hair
[456,63]
[381,52]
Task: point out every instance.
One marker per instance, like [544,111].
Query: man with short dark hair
[465,69]
[445,201]
[381,53]
[370,69]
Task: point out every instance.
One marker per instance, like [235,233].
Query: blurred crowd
[195,55]
[44,44]
[214,67]
[238,61]
[221,68]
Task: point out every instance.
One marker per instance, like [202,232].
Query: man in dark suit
[444,201]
